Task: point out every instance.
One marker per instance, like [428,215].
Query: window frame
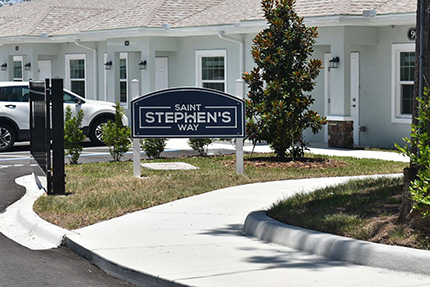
[396,90]
[210,53]
[69,80]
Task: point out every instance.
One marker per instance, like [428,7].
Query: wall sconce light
[27,66]
[142,65]
[108,65]
[334,63]
[3,66]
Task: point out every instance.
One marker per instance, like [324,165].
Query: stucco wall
[375,82]
[373,44]
[376,90]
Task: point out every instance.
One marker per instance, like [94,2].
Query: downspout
[79,44]
[241,43]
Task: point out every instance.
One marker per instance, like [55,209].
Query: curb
[136,277]
[20,223]
[259,225]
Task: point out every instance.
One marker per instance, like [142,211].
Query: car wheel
[7,137]
[96,131]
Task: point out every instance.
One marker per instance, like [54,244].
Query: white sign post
[239,141]
[136,141]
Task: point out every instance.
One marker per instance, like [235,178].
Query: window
[403,65]
[75,74]
[14,94]
[123,81]
[18,68]
[69,99]
[211,69]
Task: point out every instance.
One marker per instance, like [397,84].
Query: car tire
[7,137]
[95,134]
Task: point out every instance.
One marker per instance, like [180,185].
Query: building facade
[101,46]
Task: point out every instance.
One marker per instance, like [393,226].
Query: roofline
[242,27]
[359,20]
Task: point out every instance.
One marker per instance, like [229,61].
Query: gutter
[242,27]
[241,43]
[79,44]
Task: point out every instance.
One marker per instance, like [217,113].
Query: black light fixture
[27,66]
[3,66]
[108,65]
[142,65]
[334,63]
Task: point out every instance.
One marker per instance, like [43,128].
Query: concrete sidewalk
[199,241]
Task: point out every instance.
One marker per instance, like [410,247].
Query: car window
[14,94]
[68,98]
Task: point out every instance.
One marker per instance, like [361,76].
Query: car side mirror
[79,101]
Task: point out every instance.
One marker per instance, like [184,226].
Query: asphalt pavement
[23,267]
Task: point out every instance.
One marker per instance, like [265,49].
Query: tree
[407,213]
[117,136]
[278,109]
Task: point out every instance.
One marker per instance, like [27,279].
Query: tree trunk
[411,172]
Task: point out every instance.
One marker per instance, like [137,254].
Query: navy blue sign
[188,113]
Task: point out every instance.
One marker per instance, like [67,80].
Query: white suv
[15,110]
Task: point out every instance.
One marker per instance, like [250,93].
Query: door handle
[10,106]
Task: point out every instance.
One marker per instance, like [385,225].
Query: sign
[412,34]
[188,113]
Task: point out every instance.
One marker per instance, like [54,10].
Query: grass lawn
[363,209]
[100,191]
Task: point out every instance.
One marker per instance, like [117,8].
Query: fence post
[58,178]
[136,141]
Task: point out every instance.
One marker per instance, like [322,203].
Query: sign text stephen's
[188,112]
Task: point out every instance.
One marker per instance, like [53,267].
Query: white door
[327,58]
[44,69]
[355,95]
[161,73]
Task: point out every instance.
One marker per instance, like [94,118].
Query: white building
[99,46]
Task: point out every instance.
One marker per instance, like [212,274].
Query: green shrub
[117,136]
[420,138]
[200,145]
[153,147]
[73,134]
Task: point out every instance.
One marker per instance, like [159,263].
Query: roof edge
[242,27]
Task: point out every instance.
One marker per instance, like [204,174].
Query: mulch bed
[303,163]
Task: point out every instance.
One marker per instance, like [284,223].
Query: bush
[200,145]
[73,134]
[153,147]
[117,136]
[420,138]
